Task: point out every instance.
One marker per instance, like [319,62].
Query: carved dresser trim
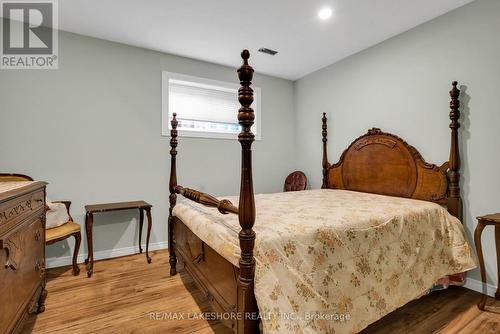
[22,253]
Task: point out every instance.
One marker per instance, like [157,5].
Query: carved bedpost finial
[454,201]
[454,104]
[173,134]
[325,164]
[246,115]
[246,211]
[245,54]
[173,153]
[173,196]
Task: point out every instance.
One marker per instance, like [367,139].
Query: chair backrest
[296,181]
[6,177]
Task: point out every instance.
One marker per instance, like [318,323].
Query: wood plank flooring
[449,311]
[126,295]
[123,296]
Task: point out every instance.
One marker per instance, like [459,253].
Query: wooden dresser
[22,252]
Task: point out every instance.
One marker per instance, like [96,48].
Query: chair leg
[78,240]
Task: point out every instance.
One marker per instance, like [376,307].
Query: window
[205,108]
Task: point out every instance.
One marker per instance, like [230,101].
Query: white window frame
[165,119]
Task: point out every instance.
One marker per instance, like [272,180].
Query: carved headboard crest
[383,163]
[374,131]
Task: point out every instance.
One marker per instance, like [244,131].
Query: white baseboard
[474,284]
[55,262]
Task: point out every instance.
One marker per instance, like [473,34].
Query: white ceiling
[217,30]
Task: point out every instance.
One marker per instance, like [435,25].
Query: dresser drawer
[15,210]
[22,268]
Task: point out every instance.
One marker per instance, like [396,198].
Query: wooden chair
[53,235]
[69,229]
[295,181]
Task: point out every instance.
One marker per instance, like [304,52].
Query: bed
[383,228]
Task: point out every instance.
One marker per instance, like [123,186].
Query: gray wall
[401,86]
[92,129]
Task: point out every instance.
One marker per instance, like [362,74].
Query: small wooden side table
[97,208]
[483,221]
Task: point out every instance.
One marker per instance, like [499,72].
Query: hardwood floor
[122,296]
[127,295]
[445,312]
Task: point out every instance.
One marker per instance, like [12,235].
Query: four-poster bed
[218,251]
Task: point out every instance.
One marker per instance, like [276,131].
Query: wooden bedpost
[325,153]
[454,200]
[247,306]
[173,196]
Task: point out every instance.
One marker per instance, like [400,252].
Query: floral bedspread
[334,261]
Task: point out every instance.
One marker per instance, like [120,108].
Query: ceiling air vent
[268,51]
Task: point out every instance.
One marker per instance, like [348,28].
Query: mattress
[334,261]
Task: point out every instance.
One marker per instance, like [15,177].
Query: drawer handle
[38,266]
[198,259]
[10,265]
[37,235]
[201,257]
[209,296]
[11,262]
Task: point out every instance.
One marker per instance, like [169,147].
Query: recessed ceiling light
[325,13]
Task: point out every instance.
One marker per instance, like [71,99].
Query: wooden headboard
[385,164]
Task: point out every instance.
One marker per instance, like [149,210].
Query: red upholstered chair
[296,181]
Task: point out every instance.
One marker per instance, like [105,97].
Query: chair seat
[62,231]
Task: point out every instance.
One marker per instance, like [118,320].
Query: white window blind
[204,108]
[187,99]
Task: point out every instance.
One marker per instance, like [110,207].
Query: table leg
[141,223]
[497,244]
[89,222]
[479,249]
[88,253]
[150,223]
